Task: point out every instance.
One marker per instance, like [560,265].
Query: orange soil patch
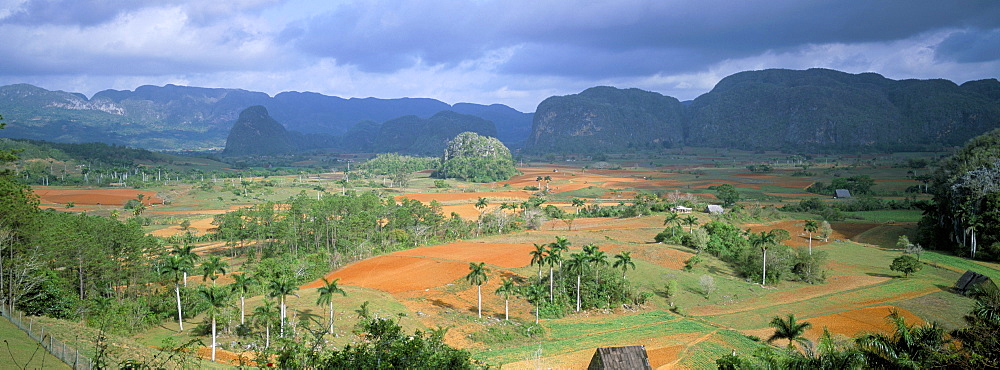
[848,323]
[445,197]
[396,274]
[862,320]
[504,255]
[467,211]
[800,238]
[569,187]
[112,197]
[662,256]
[200,226]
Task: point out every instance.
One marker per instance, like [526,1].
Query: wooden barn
[630,357]
[714,209]
[842,194]
[970,280]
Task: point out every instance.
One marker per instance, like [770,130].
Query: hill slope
[812,110]
[193,118]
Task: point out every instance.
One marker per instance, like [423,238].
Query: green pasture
[22,352]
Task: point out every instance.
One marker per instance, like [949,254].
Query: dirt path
[687,347]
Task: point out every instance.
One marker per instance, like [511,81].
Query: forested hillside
[193,118]
[814,110]
[603,119]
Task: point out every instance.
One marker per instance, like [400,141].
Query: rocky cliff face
[256,133]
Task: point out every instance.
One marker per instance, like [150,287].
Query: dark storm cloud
[626,35]
[971,46]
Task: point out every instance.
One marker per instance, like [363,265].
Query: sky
[513,52]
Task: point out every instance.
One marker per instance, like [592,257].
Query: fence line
[66,353]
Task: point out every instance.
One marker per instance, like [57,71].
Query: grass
[571,335]
[907,215]
[20,351]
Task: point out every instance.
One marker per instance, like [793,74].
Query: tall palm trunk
[763,280]
[577,292]
[479,290]
[213,338]
[506,309]
[281,322]
[242,312]
[810,243]
[551,299]
[180,316]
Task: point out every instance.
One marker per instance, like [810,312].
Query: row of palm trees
[551,255]
[176,265]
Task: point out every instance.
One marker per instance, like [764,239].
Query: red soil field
[800,238]
[504,255]
[847,323]
[445,197]
[200,226]
[396,274]
[107,197]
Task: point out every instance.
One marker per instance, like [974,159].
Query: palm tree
[326,293]
[211,268]
[552,259]
[281,288]
[176,268]
[907,347]
[810,227]
[672,218]
[624,260]
[576,265]
[267,316]
[216,297]
[187,255]
[577,203]
[560,245]
[538,258]
[690,221]
[763,240]
[506,289]
[477,276]
[242,284]
[534,293]
[481,204]
[789,329]
[599,259]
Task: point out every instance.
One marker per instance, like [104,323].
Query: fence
[71,356]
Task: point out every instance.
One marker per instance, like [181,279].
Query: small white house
[681,209]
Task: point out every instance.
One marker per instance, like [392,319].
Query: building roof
[841,193]
[630,357]
[715,209]
[970,280]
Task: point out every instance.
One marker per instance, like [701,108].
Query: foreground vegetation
[610,266]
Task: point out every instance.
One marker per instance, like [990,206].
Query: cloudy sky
[514,52]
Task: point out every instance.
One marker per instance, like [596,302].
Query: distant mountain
[513,127]
[415,135]
[831,110]
[256,133]
[602,119]
[811,110]
[193,118]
